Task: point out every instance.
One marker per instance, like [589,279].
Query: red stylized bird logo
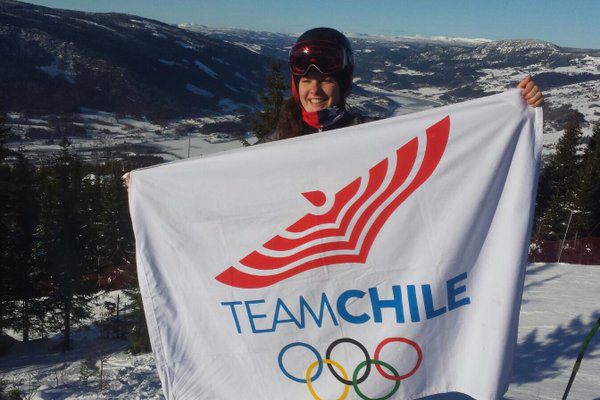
[344,233]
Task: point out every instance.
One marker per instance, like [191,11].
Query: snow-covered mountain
[58,61]
[449,70]
[119,80]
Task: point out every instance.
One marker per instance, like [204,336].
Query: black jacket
[348,119]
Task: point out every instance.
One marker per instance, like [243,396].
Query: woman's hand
[127,178]
[531,92]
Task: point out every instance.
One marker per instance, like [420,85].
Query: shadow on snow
[537,358]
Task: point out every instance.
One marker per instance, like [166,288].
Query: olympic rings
[329,363]
[308,346]
[376,362]
[403,340]
[396,377]
[360,346]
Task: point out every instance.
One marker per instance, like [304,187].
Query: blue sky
[569,23]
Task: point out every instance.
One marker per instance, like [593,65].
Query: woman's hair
[290,120]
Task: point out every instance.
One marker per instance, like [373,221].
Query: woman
[322,65]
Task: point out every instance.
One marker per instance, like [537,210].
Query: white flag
[384,260]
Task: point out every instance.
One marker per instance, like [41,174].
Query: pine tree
[265,121]
[118,249]
[560,184]
[4,134]
[66,242]
[138,332]
[25,271]
[6,223]
[116,241]
[589,196]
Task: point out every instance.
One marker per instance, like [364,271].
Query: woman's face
[318,91]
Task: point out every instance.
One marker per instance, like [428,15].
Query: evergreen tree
[6,222]
[4,134]
[26,274]
[589,196]
[115,240]
[138,332]
[118,247]
[560,184]
[66,242]
[265,121]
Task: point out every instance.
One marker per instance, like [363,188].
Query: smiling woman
[322,65]
[318,91]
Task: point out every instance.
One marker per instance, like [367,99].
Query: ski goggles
[324,56]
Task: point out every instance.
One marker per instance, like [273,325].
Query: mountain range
[61,65]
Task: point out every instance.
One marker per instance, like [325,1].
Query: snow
[231,88]
[405,101]
[168,62]
[408,104]
[184,45]
[198,91]
[95,24]
[217,59]
[204,68]
[255,48]
[411,72]
[54,70]
[583,97]
[419,39]
[110,131]
[227,105]
[559,308]
[242,77]
[560,305]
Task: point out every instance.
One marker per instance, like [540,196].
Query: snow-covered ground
[560,305]
[108,132]
[583,97]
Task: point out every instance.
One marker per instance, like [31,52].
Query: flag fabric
[379,261]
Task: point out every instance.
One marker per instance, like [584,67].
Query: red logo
[344,233]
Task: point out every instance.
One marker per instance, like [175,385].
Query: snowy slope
[560,304]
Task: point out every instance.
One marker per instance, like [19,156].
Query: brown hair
[290,120]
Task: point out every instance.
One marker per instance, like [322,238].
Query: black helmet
[327,50]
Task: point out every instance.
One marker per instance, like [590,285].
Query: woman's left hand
[531,92]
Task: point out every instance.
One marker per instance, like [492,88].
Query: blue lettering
[252,317]
[232,305]
[413,303]
[395,303]
[454,290]
[319,321]
[341,307]
[281,305]
[430,310]
[272,315]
